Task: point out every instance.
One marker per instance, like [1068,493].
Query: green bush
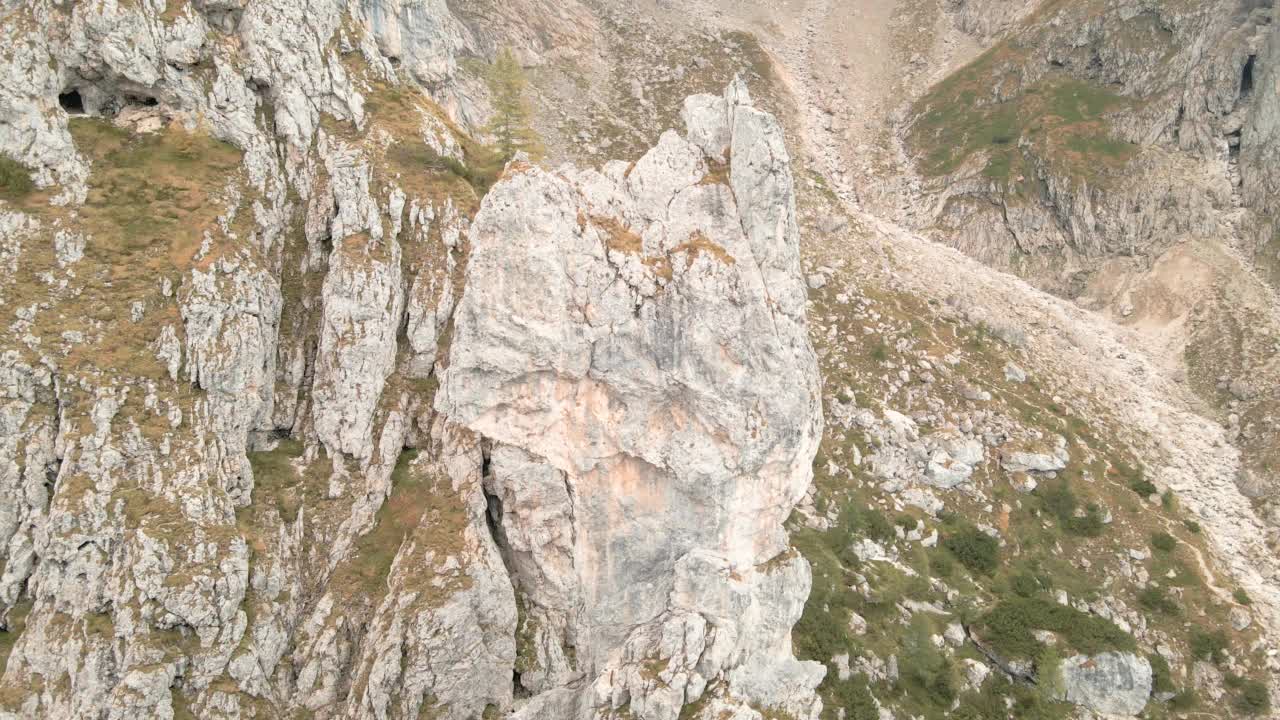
[1024,584]
[1163,541]
[1088,525]
[819,634]
[1192,526]
[1242,597]
[1161,676]
[15,179]
[941,563]
[923,670]
[1184,700]
[1253,699]
[1048,668]
[1008,626]
[1058,500]
[987,702]
[1143,487]
[1157,599]
[1209,645]
[1000,699]
[976,550]
[852,695]
[823,628]
[875,526]
[868,521]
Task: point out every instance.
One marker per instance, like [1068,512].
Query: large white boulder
[1110,683]
[1035,456]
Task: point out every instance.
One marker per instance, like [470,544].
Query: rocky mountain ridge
[274,510]
[304,419]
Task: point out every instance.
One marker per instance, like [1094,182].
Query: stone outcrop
[232,490]
[164,551]
[1036,457]
[1259,149]
[306,411]
[632,343]
[1110,683]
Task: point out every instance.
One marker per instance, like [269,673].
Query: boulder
[1013,373]
[1035,456]
[1110,683]
[975,673]
[952,460]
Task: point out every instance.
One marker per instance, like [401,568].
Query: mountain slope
[309,411]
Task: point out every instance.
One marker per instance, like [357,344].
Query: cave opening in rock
[143,101]
[1246,77]
[71,102]
[518,691]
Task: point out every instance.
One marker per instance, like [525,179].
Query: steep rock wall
[230,489]
[208,413]
[633,344]
[1028,144]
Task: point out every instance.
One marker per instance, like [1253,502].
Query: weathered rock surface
[1111,683]
[1039,457]
[255,463]
[161,554]
[1162,214]
[1196,77]
[633,344]
[231,491]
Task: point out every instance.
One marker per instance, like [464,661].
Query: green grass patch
[1161,675]
[983,109]
[1060,501]
[1008,628]
[924,672]
[15,179]
[1163,542]
[1143,487]
[1000,699]
[275,479]
[1209,645]
[823,628]
[14,625]
[1251,698]
[976,550]
[1184,701]
[851,696]
[422,508]
[1156,599]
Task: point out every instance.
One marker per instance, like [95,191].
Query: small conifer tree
[510,124]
